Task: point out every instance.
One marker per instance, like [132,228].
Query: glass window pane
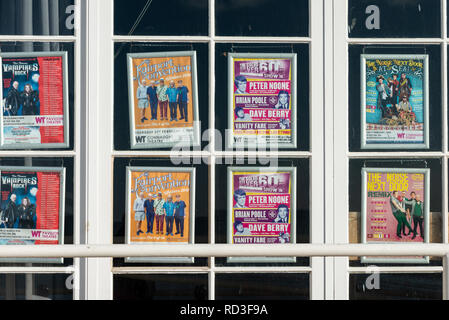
[262,287]
[36,287]
[161,287]
[54,162]
[355,198]
[38,17]
[303,89]
[434,94]
[169,17]
[121,101]
[266,18]
[302,206]
[394,19]
[201,203]
[395,287]
[11,47]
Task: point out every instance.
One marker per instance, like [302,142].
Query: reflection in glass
[396,19]
[262,287]
[36,287]
[161,287]
[169,17]
[265,18]
[395,287]
[38,17]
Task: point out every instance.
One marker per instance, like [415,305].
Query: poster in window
[395,102]
[32,208]
[261,209]
[262,100]
[160,209]
[34,100]
[395,209]
[163,100]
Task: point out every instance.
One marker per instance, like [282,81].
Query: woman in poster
[30,99]
[27,214]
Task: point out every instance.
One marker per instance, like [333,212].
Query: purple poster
[261,211]
[263,100]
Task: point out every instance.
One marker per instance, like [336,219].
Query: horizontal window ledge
[223,250]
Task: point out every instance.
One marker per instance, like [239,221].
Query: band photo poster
[395,209]
[261,209]
[34,99]
[262,97]
[32,208]
[163,100]
[395,102]
[160,209]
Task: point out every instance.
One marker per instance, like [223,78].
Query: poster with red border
[34,100]
[32,206]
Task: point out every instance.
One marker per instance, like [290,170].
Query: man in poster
[283,100]
[172,94]
[152,98]
[143,100]
[180,207]
[240,199]
[139,212]
[418,217]
[169,207]
[282,214]
[149,212]
[405,87]
[159,213]
[183,100]
[162,96]
[11,212]
[13,100]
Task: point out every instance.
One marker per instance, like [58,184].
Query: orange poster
[160,205]
[163,99]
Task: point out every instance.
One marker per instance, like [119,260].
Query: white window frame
[100,153]
[328,157]
[341,154]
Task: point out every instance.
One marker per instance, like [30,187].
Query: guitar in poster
[262,93]
[34,100]
[395,102]
[32,206]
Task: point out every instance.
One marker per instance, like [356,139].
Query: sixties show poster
[32,208]
[395,209]
[261,208]
[395,102]
[262,96]
[34,99]
[163,100]
[160,208]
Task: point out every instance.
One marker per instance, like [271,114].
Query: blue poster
[395,102]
